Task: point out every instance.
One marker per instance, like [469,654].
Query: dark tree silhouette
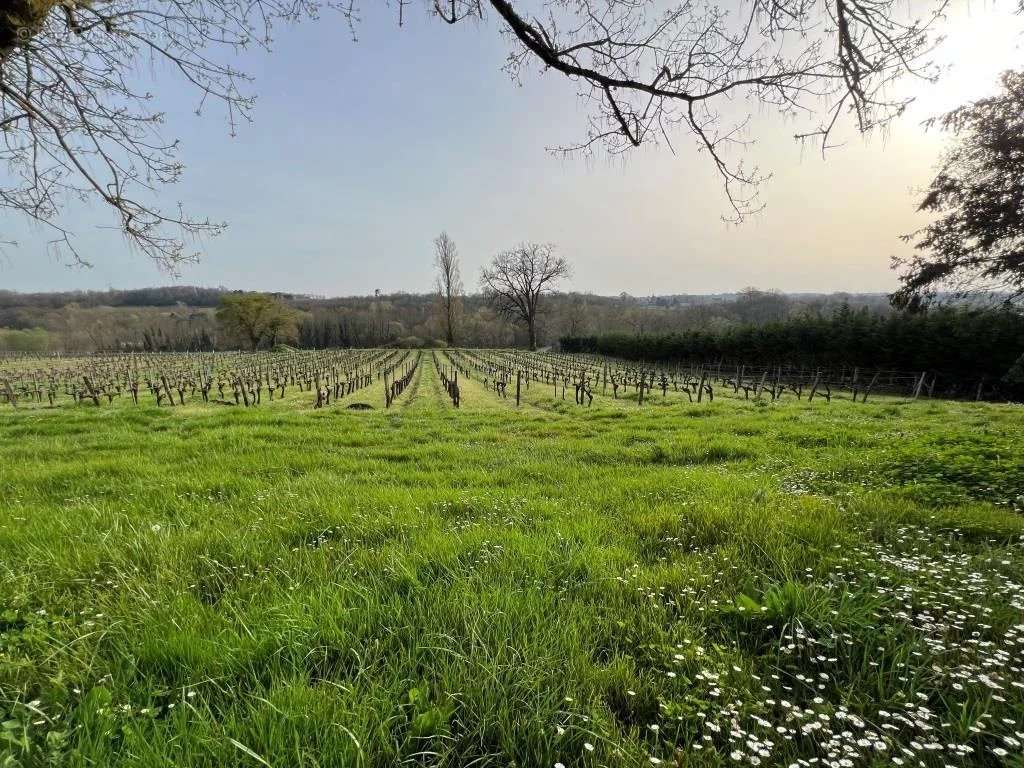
[76,123]
[516,280]
[977,243]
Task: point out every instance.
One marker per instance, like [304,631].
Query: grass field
[729,583]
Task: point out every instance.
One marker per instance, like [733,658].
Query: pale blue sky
[361,153]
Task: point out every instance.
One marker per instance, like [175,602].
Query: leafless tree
[516,280]
[75,123]
[449,283]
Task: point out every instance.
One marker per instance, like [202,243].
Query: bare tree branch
[73,126]
[643,72]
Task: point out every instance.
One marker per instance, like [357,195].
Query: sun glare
[981,41]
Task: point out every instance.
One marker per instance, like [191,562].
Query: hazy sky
[361,153]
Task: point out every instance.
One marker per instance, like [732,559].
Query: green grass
[727,583]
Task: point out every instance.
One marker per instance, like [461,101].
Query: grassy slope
[277,586]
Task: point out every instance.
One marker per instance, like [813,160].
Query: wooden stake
[920,383]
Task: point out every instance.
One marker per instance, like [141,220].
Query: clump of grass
[699,449]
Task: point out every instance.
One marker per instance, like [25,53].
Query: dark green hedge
[957,344]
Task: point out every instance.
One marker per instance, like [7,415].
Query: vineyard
[470,557]
[346,377]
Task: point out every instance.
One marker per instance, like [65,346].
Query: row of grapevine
[174,379]
[584,375]
[330,376]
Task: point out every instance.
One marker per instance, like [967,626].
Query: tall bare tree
[516,280]
[449,283]
[77,121]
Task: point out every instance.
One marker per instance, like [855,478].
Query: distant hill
[182,317]
[197,296]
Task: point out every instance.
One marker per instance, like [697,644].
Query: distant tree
[977,243]
[449,283]
[756,306]
[27,340]
[575,314]
[516,280]
[256,318]
[1014,378]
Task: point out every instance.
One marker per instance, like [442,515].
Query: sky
[361,153]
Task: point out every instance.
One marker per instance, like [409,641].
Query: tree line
[957,344]
[159,296]
[513,286]
[58,322]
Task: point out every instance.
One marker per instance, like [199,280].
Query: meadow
[735,582]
